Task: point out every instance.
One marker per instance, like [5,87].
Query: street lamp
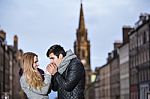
[5,95]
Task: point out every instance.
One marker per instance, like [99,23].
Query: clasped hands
[51,68]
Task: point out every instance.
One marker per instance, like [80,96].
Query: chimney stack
[117,44]
[16,42]
[126,30]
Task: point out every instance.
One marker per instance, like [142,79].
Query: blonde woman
[31,81]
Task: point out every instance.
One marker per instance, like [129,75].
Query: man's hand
[51,68]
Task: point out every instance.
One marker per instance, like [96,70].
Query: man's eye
[52,58]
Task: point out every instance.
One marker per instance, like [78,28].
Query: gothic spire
[81,20]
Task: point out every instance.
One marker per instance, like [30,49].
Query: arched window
[83,53]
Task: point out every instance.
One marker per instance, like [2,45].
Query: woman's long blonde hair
[33,77]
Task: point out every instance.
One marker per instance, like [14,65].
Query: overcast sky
[42,23]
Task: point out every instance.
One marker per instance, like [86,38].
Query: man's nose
[51,61]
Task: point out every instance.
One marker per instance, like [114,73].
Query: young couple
[66,75]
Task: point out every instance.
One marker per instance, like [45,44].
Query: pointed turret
[81,31]
[81,19]
[16,42]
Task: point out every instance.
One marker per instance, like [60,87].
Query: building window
[144,37]
[147,36]
[148,74]
[129,44]
[145,72]
[148,54]
[139,76]
[139,58]
[134,61]
[138,41]
[141,40]
[83,54]
[143,77]
[142,57]
[144,54]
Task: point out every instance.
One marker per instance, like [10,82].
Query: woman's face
[35,64]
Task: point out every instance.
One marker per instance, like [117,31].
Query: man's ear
[60,56]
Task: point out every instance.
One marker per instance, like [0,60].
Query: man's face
[54,59]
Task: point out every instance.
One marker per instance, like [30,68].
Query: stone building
[139,58]
[124,64]
[9,68]
[115,72]
[104,76]
[97,83]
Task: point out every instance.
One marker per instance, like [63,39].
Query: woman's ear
[60,56]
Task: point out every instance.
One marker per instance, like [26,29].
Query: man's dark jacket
[70,84]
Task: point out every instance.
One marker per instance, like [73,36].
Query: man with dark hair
[68,74]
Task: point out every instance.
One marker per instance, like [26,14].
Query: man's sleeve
[54,85]
[74,75]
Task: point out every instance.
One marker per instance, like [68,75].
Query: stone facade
[139,56]
[9,68]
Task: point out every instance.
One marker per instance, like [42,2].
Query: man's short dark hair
[56,50]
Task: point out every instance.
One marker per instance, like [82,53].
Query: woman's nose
[37,64]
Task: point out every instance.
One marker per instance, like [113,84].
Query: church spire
[81,20]
[82,48]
